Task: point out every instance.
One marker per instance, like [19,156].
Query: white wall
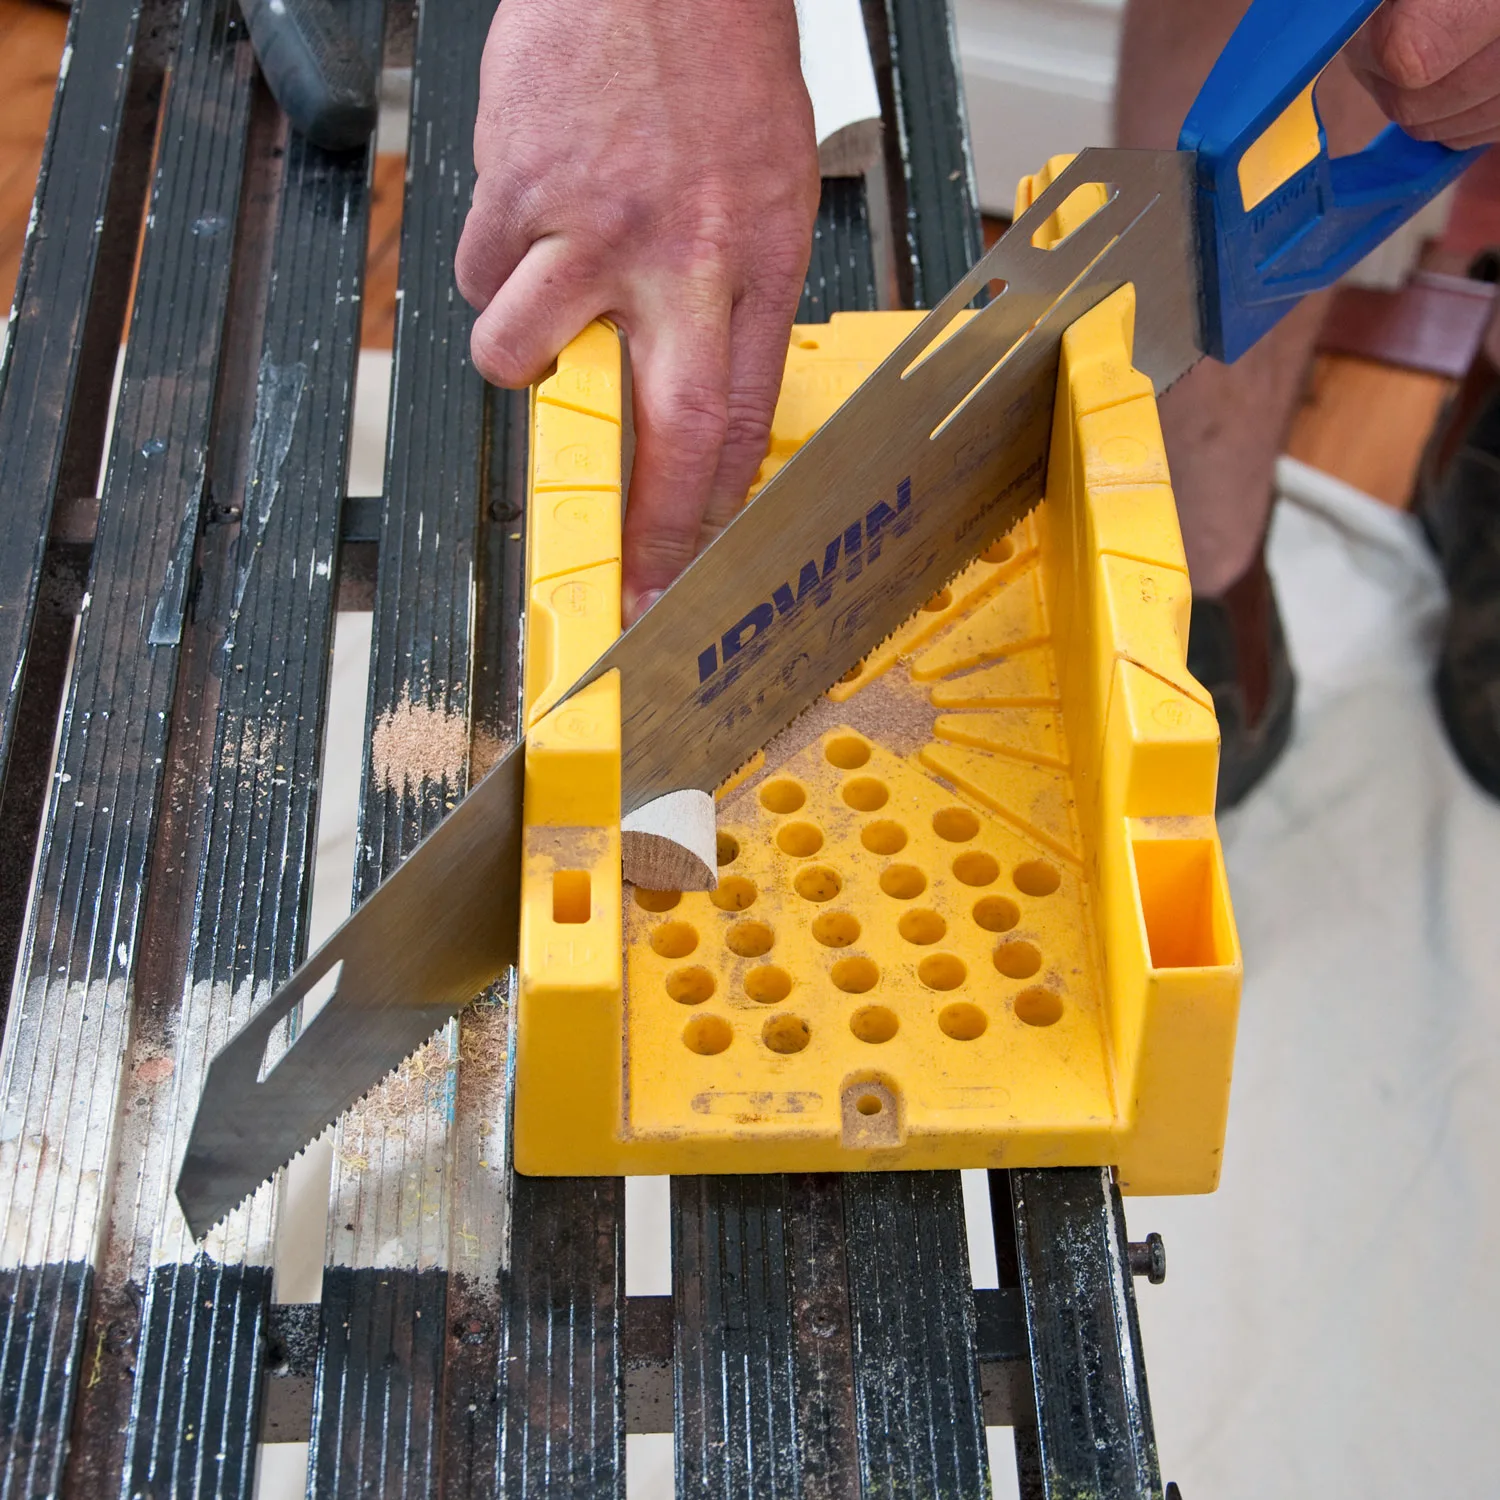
[1039,77]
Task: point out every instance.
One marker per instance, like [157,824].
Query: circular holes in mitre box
[786,1034]
[781,795]
[749,939]
[868,912]
[799,840]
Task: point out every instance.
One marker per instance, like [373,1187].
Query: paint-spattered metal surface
[1094,1434]
[920,1409]
[841,274]
[51,398]
[273,583]
[561,1372]
[415,1212]
[735,1391]
[65,1060]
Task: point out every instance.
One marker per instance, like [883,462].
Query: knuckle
[466,277]
[747,433]
[666,550]
[1401,107]
[694,418]
[497,359]
[471,265]
[1411,51]
[519,184]
[619,219]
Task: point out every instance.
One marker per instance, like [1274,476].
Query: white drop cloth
[1330,1323]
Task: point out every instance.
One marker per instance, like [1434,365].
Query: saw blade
[940,451]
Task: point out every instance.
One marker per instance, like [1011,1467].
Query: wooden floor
[1364,422]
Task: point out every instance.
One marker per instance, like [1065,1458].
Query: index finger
[679,362]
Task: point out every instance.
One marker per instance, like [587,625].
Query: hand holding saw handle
[1278,217]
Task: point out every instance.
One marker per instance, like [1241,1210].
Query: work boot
[1458,503]
[1237,650]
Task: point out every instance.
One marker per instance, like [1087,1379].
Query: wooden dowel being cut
[670,844]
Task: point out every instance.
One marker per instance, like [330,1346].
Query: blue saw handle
[1310,217]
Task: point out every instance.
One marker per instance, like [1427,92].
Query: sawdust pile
[425,1081]
[415,743]
[483,1037]
[485,749]
[421,1082]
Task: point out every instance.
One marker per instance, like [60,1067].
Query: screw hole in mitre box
[870,1105]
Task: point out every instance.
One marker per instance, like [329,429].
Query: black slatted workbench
[168,628]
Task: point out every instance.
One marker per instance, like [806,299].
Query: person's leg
[1225,425]
[1458,501]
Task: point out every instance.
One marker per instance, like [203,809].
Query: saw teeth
[322,1129]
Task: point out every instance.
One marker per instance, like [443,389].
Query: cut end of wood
[671,844]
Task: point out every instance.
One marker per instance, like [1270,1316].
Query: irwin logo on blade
[844,556]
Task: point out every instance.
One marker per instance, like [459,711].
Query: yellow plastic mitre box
[972,909]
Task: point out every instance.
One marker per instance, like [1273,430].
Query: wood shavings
[420,1083]
[892,710]
[483,1034]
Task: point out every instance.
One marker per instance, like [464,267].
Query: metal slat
[66,1034]
[69,298]
[414,1199]
[176,1397]
[194,1414]
[1093,1433]
[254,882]
[841,274]
[257,648]
[936,209]
[735,1394]
[561,1417]
[57,364]
[916,1371]
[827,1417]
[193,1425]
[762,1345]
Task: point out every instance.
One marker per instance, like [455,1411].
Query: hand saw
[939,452]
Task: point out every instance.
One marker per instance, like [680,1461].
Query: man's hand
[1434,68]
[653,162]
